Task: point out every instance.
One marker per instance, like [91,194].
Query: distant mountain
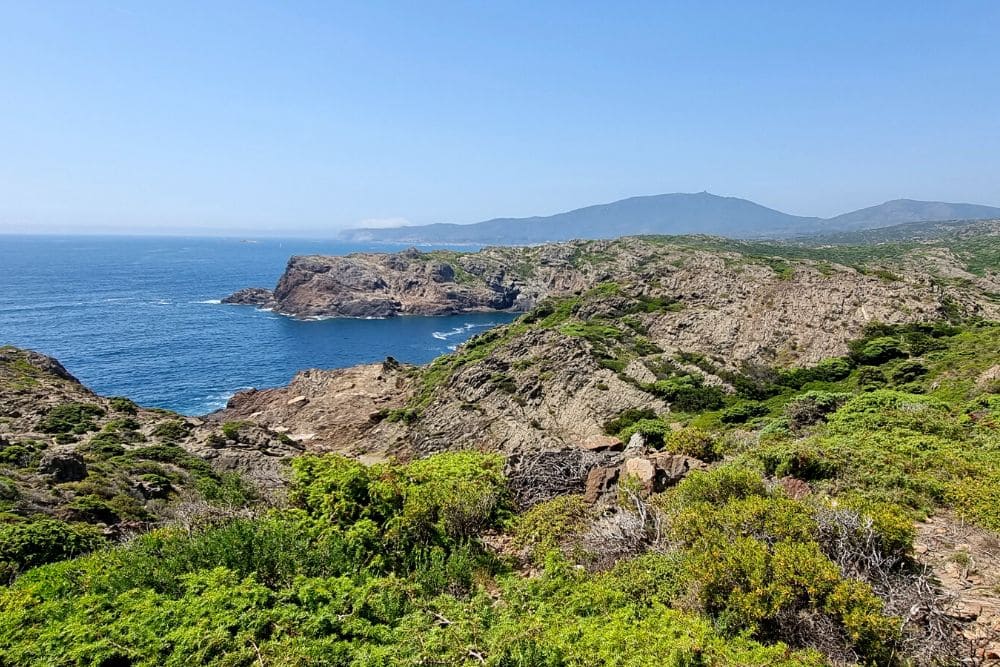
[679,213]
[909,210]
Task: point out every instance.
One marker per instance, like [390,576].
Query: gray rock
[63,466]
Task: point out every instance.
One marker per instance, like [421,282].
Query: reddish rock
[603,443]
[599,481]
[642,470]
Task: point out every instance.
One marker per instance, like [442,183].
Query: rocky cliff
[612,319]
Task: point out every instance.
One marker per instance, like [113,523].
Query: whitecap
[211,301]
[465,328]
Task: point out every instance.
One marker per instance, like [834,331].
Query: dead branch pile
[930,636]
[534,477]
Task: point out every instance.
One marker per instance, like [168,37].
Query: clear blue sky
[301,116]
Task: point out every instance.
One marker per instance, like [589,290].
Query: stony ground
[966,562]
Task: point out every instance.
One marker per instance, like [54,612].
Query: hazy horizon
[254,119]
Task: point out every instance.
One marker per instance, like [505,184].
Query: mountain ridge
[674,213]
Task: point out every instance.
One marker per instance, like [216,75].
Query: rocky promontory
[385,285]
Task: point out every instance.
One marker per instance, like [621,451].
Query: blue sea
[140,317]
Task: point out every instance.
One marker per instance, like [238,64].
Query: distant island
[678,213]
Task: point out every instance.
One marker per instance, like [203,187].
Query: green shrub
[546,524]
[812,407]
[398,511]
[627,418]
[171,430]
[17,456]
[870,379]
[691,441]
[653,432]
[743,412]
[123,405]
[32,543]
[92,509]
[876,351]
[8,489]
[688,393]
[70,418]
[801,460]
[908,371]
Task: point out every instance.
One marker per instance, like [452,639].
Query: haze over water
[139,317]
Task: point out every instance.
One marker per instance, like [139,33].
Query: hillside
[913,259]
[78,469]
[899,211]
[671,214]
[688,450]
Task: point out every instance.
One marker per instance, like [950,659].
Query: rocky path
[966,561]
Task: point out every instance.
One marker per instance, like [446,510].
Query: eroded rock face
[63,466]
[385,285]
[548,387]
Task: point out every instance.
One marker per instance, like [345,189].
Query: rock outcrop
[614,318]
[68,453]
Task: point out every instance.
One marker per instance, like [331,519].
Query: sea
[141,316]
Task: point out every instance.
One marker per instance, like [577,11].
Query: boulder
[251,296]
[643,471]
[63,466]
[672,468]
[599,481]
[602,443]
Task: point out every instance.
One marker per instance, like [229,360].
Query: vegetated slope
[787,541]
[899,211]
[506,278]
[77,469]
[625,309]
[651,472]
[678,213]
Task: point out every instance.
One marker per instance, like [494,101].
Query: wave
[219,400]
[465,328]
[211,301]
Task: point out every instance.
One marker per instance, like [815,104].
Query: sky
[308,117]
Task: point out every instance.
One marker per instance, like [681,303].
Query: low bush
[743,412]
[73,418]
[28,544]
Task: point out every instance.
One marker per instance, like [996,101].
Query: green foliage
[743,412]
[627,418]
[92,509]
[123,405]
[74,418]
[691,441]
[171,430]
[688,393]
[28,544]
[812,407]
[749,557]
[653,431]
[399,513]
[17,456]
[828,370]
[546,525]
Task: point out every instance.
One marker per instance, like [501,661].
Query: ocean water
[140,317]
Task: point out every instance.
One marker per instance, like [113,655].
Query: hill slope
[899,211]
[679,213]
